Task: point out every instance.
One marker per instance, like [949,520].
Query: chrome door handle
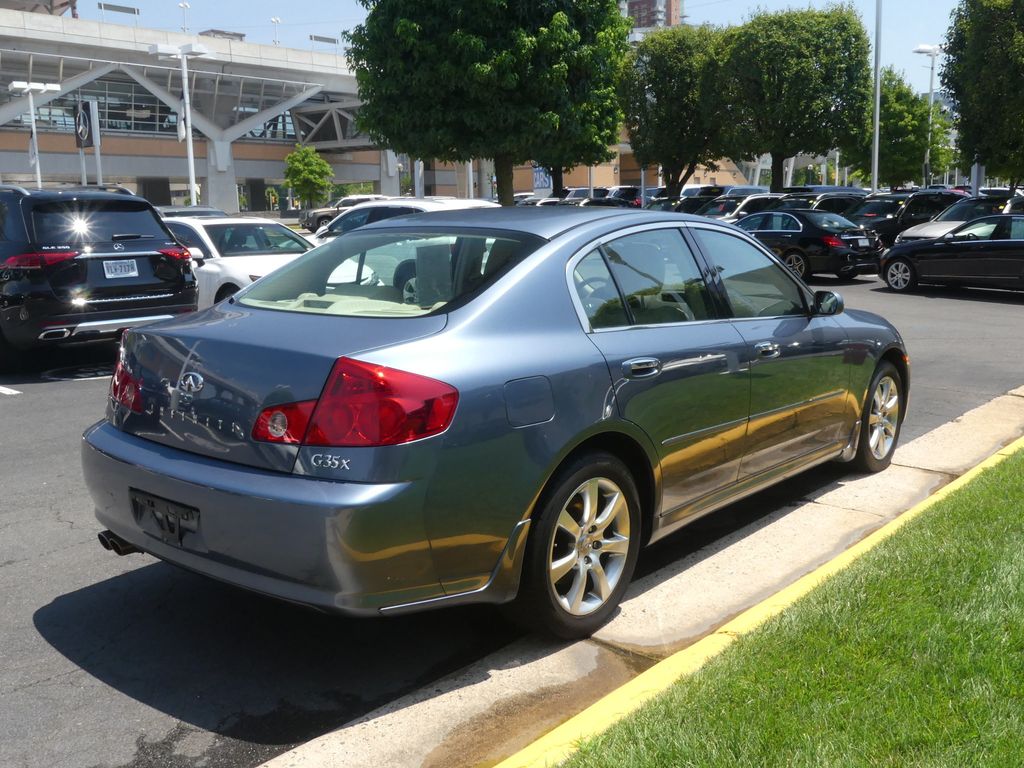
[767,350]
[641,368]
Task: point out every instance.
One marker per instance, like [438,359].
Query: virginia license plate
[121,268]
[863,242]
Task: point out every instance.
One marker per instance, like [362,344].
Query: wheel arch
[901,363]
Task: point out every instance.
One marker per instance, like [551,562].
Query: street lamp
[182,53]
[276,21]
[184,5]
[878,96]
[27,89]
[934,51]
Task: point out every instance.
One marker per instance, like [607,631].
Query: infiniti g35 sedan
[552,390]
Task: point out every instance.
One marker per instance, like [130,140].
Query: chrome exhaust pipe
[114,543]
[54,333]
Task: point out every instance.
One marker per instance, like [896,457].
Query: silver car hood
[930,229]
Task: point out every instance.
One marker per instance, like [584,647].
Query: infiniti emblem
[118,246]
[191,383]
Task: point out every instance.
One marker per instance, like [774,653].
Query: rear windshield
[830,222]
[242,239]
[968,210]
[392,273]
[720,207]
[95,221]
[877,208]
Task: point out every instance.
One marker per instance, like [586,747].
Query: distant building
[223,34]
[645,13]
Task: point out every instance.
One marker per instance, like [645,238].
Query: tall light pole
[184,5]
[182,53]
[934,51]
[878,95]
[276,21]
[27,89]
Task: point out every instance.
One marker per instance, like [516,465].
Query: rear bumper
[355,548]
[851,263]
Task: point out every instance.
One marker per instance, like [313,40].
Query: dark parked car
[557,389]
[315,218]
[830,202]
[629,194]
[572,195]
[816,241]
[968,209]
[691,204]
[889,214]
[984,253]
[81,266]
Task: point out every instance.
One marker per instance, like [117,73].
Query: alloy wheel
[884,419]
[589,546]
[797,263]
[898,276]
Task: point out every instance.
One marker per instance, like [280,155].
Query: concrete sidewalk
[498,705]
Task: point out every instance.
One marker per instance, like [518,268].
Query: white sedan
[232,252]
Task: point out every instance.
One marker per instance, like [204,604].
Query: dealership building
[250,105]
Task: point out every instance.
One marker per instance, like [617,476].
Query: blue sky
[905,23]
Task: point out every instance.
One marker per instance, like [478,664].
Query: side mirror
[948,237]
[828,303]
[197,256]
[740,214]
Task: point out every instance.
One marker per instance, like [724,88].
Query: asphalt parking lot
[108,661]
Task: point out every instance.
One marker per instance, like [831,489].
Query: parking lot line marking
[558,744]
[6,391]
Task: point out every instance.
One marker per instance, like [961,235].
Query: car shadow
[85,361]
[961,293]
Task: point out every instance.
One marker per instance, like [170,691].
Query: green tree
[677,115]
[800,82]
[308,174]
[512,80]
[982,76]
[903,134]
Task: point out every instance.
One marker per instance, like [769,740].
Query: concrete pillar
[221,188]
[485,188]
[464,180]
[390,178]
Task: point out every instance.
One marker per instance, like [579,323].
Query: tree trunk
[673,186]
[687,174]
[503,169]
[557,180]
[778,171]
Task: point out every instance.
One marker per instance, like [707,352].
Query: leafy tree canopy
[677,113]
[512,80]
[903,132]
[308,174]
[800,83]
[982,75]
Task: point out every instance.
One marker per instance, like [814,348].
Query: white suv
[378,210]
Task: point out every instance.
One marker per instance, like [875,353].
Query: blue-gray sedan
[516,403]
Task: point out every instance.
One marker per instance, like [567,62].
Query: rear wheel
[797,262]
[582,549]
[225,291]
[881,420]
[900,275]
[322,222]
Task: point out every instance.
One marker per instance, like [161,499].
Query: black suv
[888,214]
[79,265]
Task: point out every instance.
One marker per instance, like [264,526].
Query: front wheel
[582,549]
[900,275]
[881,419]
[797,262]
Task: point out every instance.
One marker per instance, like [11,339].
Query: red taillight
[832,241]
[363,405]
[125,389]
[38,260]
[283,423]
[176,253]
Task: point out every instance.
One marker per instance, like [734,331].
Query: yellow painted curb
[555,746]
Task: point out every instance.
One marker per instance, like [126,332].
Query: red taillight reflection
[126,389]
[176,253]
[38,260]
[364,405]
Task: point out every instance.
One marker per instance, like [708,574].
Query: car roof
[207,220]
[543,221]
[70,193]
[428,204]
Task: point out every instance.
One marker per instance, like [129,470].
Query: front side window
[755,285]
[248,239]
[754,223]
[386,273]
[659,278]
[983,229]
[349,221]
[186,235]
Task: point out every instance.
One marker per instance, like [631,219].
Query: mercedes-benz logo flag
[83,125]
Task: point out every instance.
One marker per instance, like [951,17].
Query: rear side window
[392,273]
[95,221]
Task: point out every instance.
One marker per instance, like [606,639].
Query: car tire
[900,276]
[881,419]
[224,291]
[404,272]
[582,550]
[797,263]
[322,222]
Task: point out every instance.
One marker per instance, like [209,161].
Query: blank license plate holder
[167,520]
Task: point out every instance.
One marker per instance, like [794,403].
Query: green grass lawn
[913,656]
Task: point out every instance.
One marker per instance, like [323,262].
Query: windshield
[250,239]
[391,273]
[720,207]
[96,221]
[830,222]
[966,210]
[876,208]
[791,204]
